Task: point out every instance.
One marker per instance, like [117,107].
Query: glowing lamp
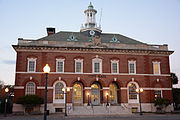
[46,69]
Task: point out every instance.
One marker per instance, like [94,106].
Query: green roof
[81,37]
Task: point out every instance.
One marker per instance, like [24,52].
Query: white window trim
[59,60]
[58,100]
[97,60]
[34,89]
[115,61]
[31,59]
[81,61]
[130,100]
[159,71]
[134,62]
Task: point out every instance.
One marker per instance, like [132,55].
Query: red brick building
[102,70]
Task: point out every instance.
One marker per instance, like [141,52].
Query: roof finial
[90,6]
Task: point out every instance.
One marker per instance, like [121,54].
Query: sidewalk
[145,116]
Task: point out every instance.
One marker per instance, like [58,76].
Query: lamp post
[139,91]
[6,100]
[88,98]
[65,90]
[46,70]
[107,95]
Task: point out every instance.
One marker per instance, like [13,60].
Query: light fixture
[6,90]
[46,69]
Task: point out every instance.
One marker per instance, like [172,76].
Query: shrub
[161,102]
[31,100]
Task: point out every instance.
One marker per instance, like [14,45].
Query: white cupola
[90,23]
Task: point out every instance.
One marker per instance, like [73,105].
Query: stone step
[99,110]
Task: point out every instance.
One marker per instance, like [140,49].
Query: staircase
[99,110]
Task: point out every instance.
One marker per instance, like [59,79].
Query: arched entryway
[95,94]
[78,93]
[113,93]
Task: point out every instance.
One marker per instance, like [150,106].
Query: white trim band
[18,87]
[93,73]
[42,87]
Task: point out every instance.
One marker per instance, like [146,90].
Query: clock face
[92,32]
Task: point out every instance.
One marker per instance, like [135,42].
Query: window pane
[60,66]
[156,68]
[96,67]
[31,66]
[58,91]
[114,67]
[131,68]
[78,67]
[132,91]
[30,88]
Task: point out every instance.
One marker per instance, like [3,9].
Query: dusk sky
[149,21]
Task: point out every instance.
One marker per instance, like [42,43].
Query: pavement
[146,116]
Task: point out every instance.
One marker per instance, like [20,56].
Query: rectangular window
[60,65]
[156,68]
[78,65]
[96,67]
[114,66]
[157,94]
[132,67]
[31,65]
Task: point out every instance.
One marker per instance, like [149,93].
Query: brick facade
[48,49]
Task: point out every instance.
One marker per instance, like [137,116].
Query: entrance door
[77,93]
[95,94]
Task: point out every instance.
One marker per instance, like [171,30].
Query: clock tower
[90,27]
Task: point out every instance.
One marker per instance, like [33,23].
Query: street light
[65,90]
[46,70]
[88,98]
[139,91]
[107,95]
[6,100]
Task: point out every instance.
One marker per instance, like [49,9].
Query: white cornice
[118,74]
[89,50]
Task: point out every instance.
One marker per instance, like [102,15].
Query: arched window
[77,93]
[58,91]
[113,93]
[30,88]
[132,94]
[58,94]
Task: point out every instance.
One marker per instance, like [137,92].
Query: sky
[149,21]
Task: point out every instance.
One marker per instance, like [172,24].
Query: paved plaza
[120,117]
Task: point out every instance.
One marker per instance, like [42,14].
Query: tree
[1,87]
[174,78]
[176,97]
[8,96]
